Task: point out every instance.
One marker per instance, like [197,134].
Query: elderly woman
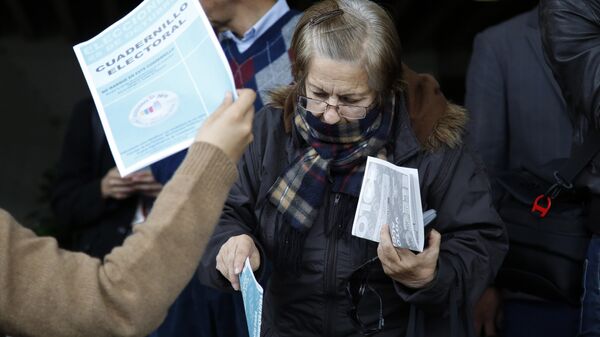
[296,196]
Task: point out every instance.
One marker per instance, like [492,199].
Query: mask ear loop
[325,16]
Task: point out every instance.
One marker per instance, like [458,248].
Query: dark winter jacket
[97,225]
[571,39]
[314,303]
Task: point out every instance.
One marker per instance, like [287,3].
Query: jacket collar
[434,121]
[406,143]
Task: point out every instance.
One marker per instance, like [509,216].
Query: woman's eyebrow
[351,95]
[354,95]
[314,87]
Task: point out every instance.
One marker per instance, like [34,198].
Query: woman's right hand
[230,126]
[233,254]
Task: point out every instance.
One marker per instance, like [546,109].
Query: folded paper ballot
[390,195]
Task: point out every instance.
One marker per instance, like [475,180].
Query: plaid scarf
[336,154]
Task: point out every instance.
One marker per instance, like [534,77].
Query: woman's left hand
[404,266]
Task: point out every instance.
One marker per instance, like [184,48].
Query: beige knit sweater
[46,291]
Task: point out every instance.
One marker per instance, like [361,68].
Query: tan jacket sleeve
[46,291]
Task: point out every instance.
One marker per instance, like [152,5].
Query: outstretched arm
[51,292]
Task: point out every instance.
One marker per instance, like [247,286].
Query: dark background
[41,80]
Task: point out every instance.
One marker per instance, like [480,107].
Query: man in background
[94,206]
[571,39]
[518,119]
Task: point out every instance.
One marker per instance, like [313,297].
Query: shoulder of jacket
[448,130]
[268,122]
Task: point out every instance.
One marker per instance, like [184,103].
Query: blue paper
[155,76]
[252,293]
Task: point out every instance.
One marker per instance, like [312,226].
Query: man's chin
[218,26]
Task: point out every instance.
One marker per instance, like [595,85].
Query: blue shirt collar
[275,13]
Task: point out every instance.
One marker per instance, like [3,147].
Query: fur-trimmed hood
[434,120]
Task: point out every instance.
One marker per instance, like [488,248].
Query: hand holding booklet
[155,76]
[390,195]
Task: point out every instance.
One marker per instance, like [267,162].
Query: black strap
[581,155]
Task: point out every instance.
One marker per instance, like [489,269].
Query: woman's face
[337,82]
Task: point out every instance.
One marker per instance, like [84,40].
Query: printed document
[155,76]
[252,294]
[390,195]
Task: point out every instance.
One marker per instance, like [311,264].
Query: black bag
[546,254]
[545,218]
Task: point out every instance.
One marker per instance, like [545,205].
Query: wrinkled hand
[410,269]
[488,312]
[113,186]
[233,254]
[144,183]
[230,126]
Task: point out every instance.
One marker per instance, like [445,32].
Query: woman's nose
[331,116]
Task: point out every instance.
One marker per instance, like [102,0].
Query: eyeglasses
[357,289]
[318,107]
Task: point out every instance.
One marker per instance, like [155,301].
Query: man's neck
[249,12]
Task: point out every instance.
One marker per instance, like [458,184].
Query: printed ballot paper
[155,76]
[252,294]
[390,195]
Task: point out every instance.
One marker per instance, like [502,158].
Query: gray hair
[356,31]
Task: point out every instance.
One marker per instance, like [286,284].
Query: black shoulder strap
[580,157]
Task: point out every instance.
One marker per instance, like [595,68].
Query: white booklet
[252,294]
[155,76]
[390,195]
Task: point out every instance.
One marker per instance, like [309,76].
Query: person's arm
[488,132]
[485,101]
[234,233]
[51,292]
[571,39]
[237,225]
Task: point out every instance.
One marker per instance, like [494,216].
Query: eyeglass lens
[319,107]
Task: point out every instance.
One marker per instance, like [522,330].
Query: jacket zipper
[330,273]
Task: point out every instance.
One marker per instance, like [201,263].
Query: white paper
[390,195]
